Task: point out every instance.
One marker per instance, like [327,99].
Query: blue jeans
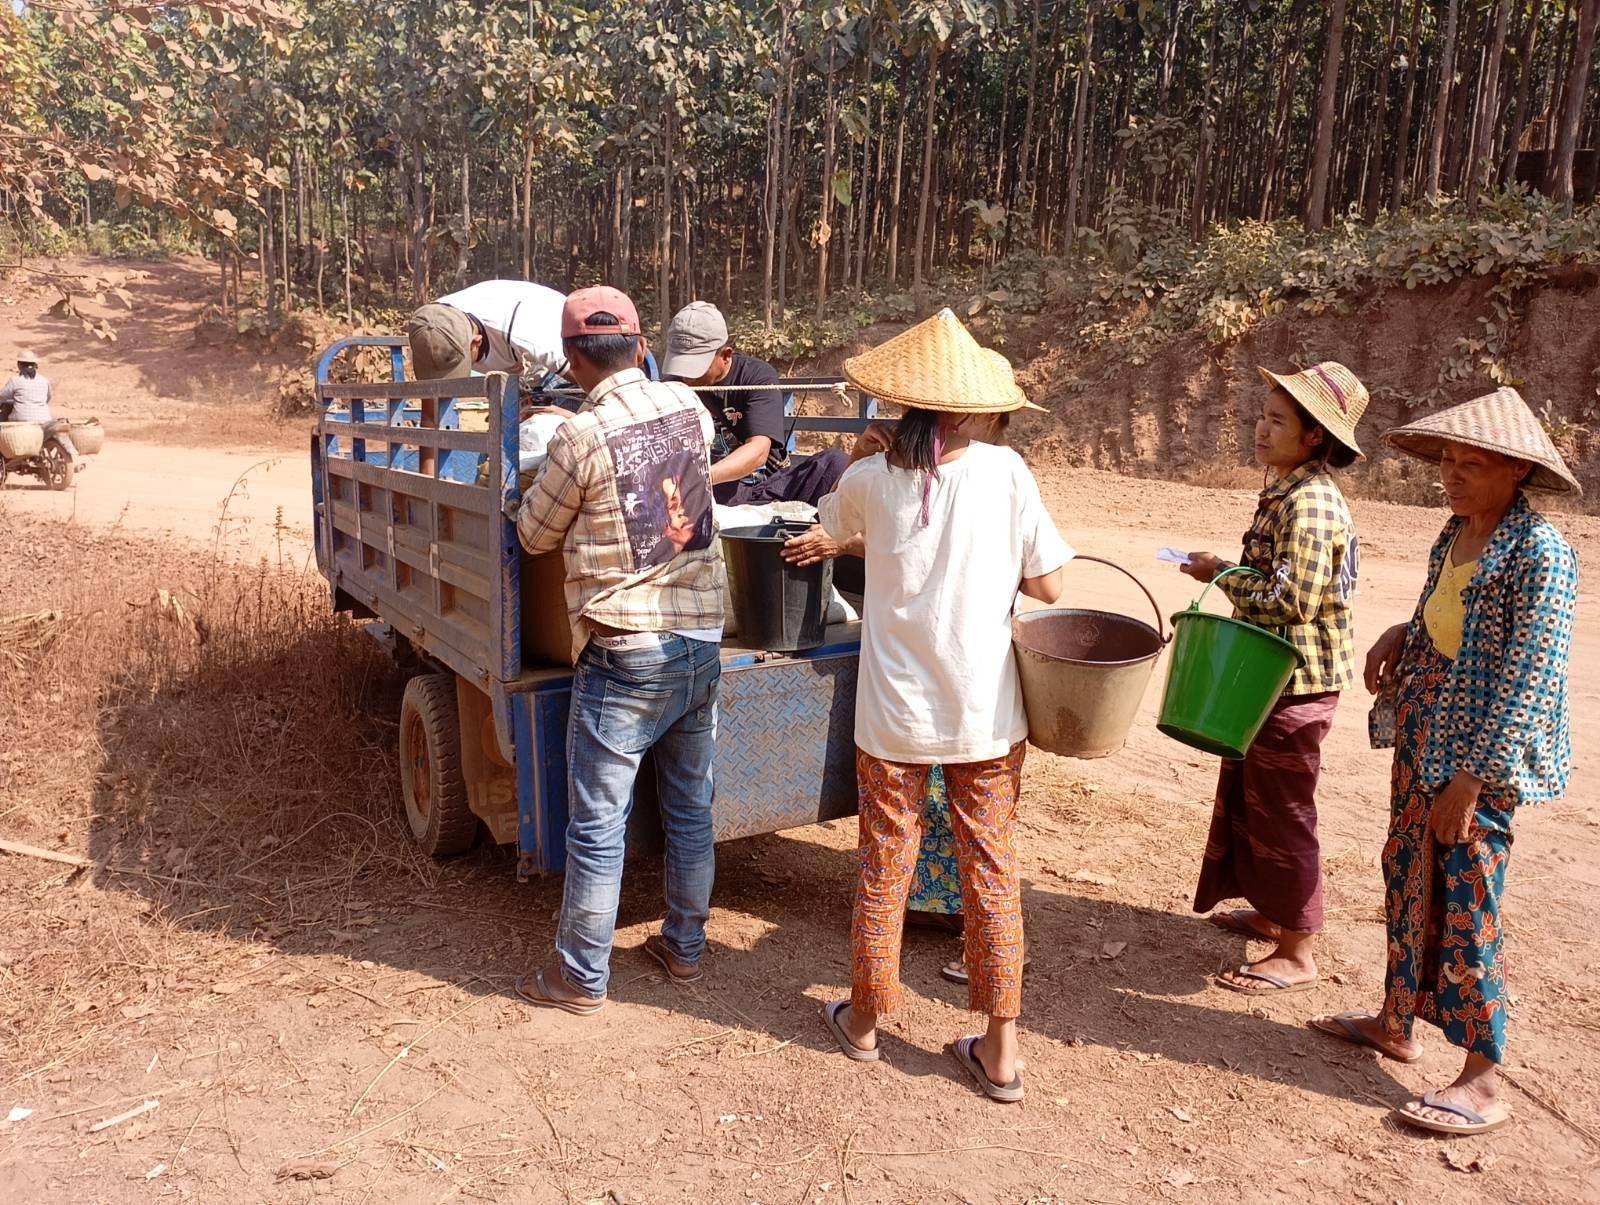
[625,702]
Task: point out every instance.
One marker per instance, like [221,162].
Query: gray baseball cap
[441,343]
[698,332]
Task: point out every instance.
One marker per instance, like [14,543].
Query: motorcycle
[52,464]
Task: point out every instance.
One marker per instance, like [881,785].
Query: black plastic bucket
[777,606]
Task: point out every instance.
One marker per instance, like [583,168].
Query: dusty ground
[303,995]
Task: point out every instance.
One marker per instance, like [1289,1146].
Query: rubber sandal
[956,971]
[538,992]
[1230,922]
[1343,1027]
[830,1018]
[656,947]
[1006,1094]
[1275,985]
[1472,1122]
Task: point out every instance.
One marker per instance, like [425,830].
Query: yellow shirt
[1446,607]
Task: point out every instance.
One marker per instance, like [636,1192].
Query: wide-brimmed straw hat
[1330,393]
[938,365]
[1497,422]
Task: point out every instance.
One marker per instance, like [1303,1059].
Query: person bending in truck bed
[492,326]
[750,459]
[624,494]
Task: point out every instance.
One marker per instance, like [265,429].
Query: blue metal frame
[530,710]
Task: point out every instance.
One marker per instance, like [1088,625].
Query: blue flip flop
[1472,1122]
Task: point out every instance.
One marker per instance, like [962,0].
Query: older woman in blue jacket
[1472,695]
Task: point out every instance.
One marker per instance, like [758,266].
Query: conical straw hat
[938,365]
[1497,422]
[1331,394]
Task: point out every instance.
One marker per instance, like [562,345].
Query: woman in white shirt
[952,529]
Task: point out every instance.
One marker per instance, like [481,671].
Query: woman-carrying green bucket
[1224,677]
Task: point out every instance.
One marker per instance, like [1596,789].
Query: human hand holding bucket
[1224,677]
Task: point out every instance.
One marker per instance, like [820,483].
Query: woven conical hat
[938,365]
[1497,422]
[1331,394]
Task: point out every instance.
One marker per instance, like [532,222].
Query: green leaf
[841,186]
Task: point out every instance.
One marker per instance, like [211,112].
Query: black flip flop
[830,1018]
[1343,1027]
[538,992]
[1006,1094]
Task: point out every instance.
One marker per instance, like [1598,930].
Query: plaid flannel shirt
[1304,541]
[625,494]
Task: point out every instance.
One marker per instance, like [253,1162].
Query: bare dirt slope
[266,958]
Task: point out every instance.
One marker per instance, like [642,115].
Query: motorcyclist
[25,398]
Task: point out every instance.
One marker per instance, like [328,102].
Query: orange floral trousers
[983,815]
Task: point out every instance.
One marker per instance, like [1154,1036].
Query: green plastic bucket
[1223,678]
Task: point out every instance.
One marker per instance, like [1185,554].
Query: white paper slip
[1172,556]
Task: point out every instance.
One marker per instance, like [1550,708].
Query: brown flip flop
[1472,1122]
[538,992]
[1232,922]
[1276,986]
[1343,1027]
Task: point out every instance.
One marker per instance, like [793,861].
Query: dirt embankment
[1185,412]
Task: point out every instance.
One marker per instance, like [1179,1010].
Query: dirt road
[252,502]
[351,1011]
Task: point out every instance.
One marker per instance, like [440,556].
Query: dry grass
[225,742]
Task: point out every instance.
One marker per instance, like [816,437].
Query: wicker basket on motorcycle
[21,439]
[89,437]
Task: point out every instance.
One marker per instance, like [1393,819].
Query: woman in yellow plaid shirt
[1263,844]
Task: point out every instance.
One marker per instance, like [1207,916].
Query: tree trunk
[669,120]
[283,252]
[418,227]
[899,179]
[625,264]
[1025,168]
[1525,50]
[1402,135]
[1080,119]
[769,192]
[1202,162]
[830,123]
[1279,148]
[344,215]
[1441,106]
[464,248]
[925,185]
[1460,150]
[1327,94]
[1560,183]
[1374,184]
[1489,115]
[785,207]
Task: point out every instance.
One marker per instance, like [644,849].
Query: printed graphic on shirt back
[661,477]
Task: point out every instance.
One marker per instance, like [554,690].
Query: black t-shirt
[742,414]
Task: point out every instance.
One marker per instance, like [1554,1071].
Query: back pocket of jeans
[631,715]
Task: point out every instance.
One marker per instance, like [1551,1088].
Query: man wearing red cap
[625,494]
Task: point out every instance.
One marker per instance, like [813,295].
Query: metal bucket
[1084,674]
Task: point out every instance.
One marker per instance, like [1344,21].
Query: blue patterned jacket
[1503,714]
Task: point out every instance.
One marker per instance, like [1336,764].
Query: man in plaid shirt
[626,495]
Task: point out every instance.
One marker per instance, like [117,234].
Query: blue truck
[408,489]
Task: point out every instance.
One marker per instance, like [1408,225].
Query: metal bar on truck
[416,437]
[461,387]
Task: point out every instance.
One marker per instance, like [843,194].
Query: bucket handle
[1195,605]
[1161,629]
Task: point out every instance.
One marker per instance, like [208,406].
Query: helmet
[27,357]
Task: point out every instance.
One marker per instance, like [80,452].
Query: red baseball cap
[600,299]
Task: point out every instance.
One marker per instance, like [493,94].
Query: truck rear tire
[431,782]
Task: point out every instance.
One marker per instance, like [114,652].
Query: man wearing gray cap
[492,326]
[750,458]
